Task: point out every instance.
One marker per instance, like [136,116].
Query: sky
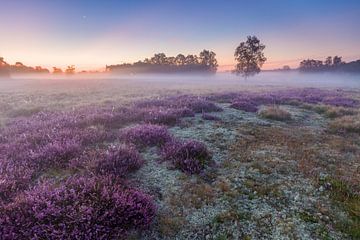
[90,34]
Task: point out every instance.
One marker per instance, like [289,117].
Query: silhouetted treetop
[19,68]
[250,57]
[160,63]
[330,64]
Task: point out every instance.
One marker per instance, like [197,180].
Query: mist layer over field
[219,81]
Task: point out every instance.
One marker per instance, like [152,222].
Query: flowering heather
[119,161]
[340,102]
[307,95]
[146,135]
[79,208]
[246,106]
[207,116]
[160,116]
[188,156]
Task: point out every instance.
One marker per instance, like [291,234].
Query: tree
[159,59]
[208,58]
[328,61]
[250,57]
[180,59]
[191,59]
[337,61]
[286,68]
[4,68]
[57,70]
[70,70]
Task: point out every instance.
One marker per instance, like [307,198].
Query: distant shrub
[146,135]
[246,106]
[348,124]
[207,116]
[188,156]
[119,161]
[161,116]
[79,208]
[340,102]
[275,113]
[199,106]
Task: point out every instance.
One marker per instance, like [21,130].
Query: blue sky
[91,34]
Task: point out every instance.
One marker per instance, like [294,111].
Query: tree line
[6,69]
[330,64]
[160,63]
[249,56]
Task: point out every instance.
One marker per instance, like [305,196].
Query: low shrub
[188,156]
[79,208]
[146,135]
[246,106]
[207,116]
[119,161]
[275,113]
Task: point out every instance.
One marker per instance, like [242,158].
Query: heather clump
[119,161]
[209,117]
[189,156]
[145,135]
[79,208]
[247,106]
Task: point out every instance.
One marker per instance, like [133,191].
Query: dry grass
[193,195]
[275,113]
[347,124]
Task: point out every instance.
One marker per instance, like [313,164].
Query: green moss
[342,195]
[307,217]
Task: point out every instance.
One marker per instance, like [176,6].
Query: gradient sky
[91,34]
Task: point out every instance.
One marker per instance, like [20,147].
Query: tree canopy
[250,57]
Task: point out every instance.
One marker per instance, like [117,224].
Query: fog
[216,82]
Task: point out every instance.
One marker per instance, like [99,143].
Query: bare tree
[250,57]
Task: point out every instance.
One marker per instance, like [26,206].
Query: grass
[349,201]
[346,124]
[275,113]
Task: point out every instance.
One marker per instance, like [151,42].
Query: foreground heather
[185,166]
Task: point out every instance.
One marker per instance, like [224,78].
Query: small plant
[275,113]
[246,106]
[189,156]
[348,124]
[119,161]
[146,135]
[207,116]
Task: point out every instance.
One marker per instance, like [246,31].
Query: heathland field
[151,158]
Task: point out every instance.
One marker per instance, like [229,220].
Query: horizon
[91,34]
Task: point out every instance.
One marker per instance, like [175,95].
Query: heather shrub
[246,106]
[275,113]
[188,156]
[207,116]
[340,101]
[119,161]
[346,124]
[145,135]
[200,105]
[161,116]
[79,208]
